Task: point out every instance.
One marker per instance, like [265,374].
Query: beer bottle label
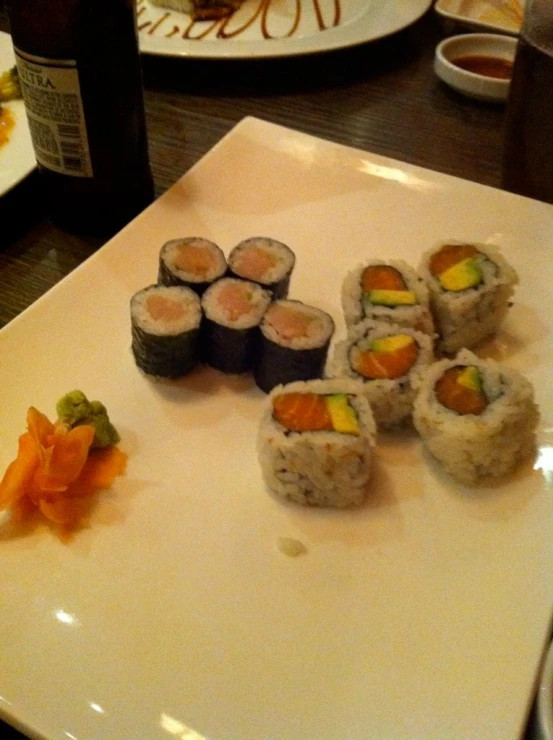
[54,107]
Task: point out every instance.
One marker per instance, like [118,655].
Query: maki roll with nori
[293,343]
[165,324]
[470,289]
[316,441]
[385,358]
[191,261]
[476,417]
[232,311]
[387,291]
[265,261]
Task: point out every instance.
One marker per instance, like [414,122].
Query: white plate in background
[17,158]
[424,613]
[504,16]
[295,26]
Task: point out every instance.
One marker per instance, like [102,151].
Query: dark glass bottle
[79,65]
[528,153]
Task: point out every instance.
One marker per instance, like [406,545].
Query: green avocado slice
[391,298]
[344,418]
[463,275]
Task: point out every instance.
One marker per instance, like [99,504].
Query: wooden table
[382,97]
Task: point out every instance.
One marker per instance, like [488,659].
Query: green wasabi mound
[75,409]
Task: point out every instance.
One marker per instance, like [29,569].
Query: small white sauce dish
[478,86]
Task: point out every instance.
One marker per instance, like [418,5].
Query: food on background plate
[387,291]
[192,261]
[10,89]
[265,261]
[386,358]
[315,443]
[476,417]
[293,344]
[165,322]
[201,10]
[470,288]
[58,469]
[232,310]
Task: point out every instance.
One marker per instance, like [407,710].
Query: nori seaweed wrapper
[229,350]
[277,364]
[165,356]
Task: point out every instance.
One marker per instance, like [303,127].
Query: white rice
[323,468]
[319,329]
[187,314]
[283,255]
[473,446]
[172,269]
[391,400]
[465,318]
[417,316]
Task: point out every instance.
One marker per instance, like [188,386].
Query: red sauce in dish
[501,69]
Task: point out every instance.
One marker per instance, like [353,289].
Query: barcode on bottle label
[52,96]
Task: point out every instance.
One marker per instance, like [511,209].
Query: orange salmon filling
[195,260]
[450,255]
[289,323]
[458,397]
[302,412]
[382,277]
[234,299]
[254,262]
[161,307]
[376,365]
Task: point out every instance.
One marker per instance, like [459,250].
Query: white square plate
[423,614]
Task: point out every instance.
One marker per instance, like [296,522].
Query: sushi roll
[387,291]
[191,261]
[316,442]
[165,322]
[232,312]
[476,417]
[293,344]
[264,261]
[470,287]
[386,359]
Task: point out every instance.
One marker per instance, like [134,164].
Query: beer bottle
[79,66]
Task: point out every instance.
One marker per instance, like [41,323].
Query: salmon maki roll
[232,312]
[165,322]
[316,443]
[191,261]
[470,290]
[387,291]
[265,261]
[385,358]
[476,417]
[293,344]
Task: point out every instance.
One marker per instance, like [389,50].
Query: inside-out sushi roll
[265,261]
[386,358]
[191,261]
[470,288]
[293,344]
[165,323]
[316,441]
[387,291]
[232,309]
[477,417]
